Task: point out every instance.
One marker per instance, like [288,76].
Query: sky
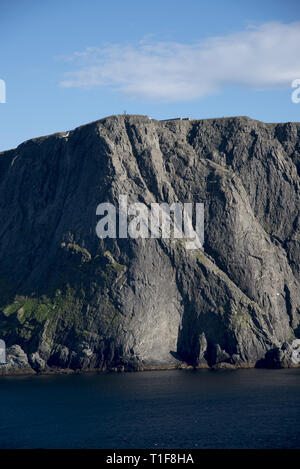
[67,63]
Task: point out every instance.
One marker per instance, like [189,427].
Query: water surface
[155,409]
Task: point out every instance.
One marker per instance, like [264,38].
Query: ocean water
[155,409]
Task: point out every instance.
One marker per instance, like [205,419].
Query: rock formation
[69,300]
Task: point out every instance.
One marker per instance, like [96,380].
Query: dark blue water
[163,409]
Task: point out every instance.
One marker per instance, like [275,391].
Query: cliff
[69,300]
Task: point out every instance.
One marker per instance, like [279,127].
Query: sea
[176,409]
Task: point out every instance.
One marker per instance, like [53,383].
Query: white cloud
[262,57]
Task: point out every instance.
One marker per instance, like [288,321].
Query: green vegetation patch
[39,309]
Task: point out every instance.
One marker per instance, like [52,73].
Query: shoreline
[68,371]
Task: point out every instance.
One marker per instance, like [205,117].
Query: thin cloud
[262,57]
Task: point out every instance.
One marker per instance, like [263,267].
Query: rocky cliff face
[71,300]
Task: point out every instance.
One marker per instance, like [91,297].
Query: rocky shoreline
[19,365]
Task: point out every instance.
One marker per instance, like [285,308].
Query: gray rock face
[17,362]
[71,300]
[37,363]
[288,355]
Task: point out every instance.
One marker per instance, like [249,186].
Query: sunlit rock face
[71,300]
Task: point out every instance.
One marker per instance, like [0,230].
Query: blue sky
[66,63]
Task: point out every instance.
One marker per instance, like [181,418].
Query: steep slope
[71,300]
